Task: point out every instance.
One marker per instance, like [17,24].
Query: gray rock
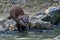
[9,24]
[38,23]
[2,21]
[40,15]
[53,15]
[1,28]
[51,9]
[43,25]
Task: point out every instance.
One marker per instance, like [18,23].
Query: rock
[39,24]
[15,1]
[51,9]
[1,28]
[9,25]
[47,19]
[1,22]
[40,15]
[53,15]
[32,19]
[44,25]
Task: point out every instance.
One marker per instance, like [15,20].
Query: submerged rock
[1,28]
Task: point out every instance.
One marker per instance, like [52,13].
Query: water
[32,35]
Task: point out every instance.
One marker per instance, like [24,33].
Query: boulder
[53,15]
[9,25]
[51,9]
[39,24]
[43,25]
[40,15]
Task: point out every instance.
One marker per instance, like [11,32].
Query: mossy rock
[54,17]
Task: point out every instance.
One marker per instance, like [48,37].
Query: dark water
[31,35]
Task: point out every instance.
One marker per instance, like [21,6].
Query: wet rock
[51,9]
[39,24]
[1,28]
[9,25]
[40,15]
[1,22]
[43,25]
[53,15]
[14,1]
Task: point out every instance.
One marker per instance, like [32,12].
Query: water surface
[31,35]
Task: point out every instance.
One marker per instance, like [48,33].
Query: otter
[18,15]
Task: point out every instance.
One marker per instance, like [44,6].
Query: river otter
[17,14]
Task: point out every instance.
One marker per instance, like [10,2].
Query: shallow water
[53,34]
[32,35]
